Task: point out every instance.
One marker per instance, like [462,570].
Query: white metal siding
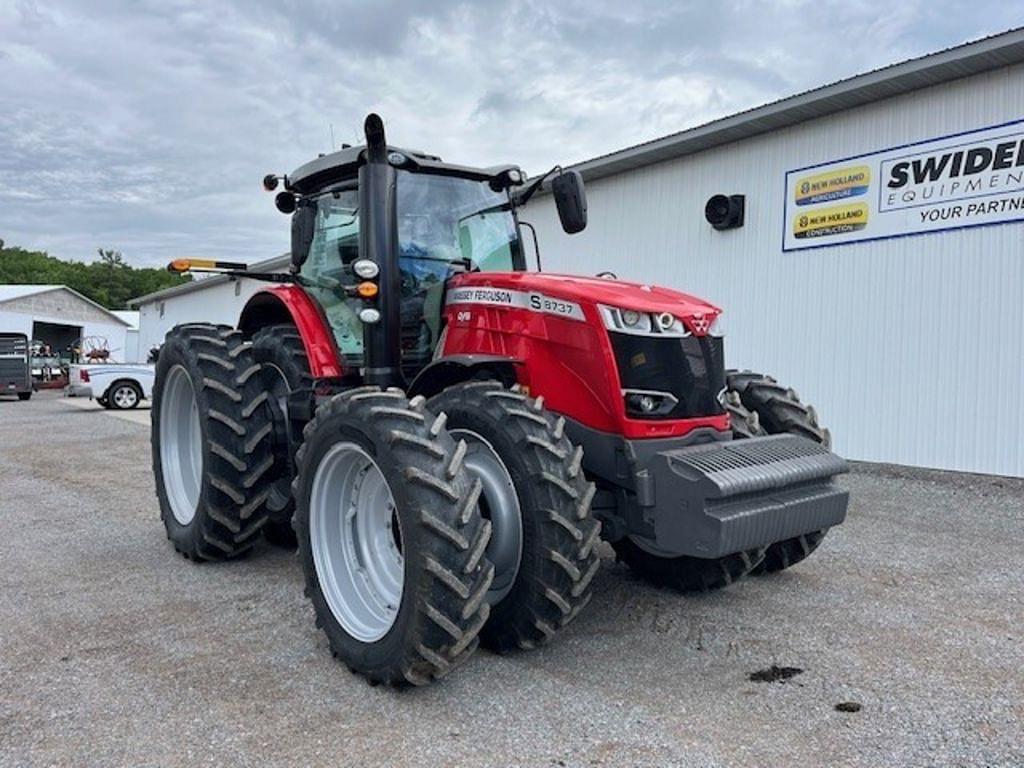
[911,349]
[219,303]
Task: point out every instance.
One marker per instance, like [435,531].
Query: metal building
[61,318]
[906,331]
[897,309]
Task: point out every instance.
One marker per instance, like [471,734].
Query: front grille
[692,369]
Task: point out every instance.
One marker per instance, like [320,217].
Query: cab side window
[335,246]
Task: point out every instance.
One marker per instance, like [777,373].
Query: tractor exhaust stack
[378,242]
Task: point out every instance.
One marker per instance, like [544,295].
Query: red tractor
[450,435]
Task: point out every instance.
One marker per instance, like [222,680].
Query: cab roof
[344,165]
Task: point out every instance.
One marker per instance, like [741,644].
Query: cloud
[147,126]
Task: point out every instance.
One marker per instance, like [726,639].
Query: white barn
[897,310]
[60,317]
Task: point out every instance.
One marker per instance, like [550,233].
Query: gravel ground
[116,651]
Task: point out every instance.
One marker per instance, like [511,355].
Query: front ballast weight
[719,498]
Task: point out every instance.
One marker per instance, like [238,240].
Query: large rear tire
[284,368]
[535,494]
[759,405]
[211,433]
[390,537]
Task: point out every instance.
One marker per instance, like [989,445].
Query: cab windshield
[446,225]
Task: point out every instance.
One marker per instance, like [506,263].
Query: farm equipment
[93,349]
[450,435]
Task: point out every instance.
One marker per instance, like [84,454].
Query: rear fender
[446,371]
[282,304]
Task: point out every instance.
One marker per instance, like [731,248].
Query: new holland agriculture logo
[837,184]
[835,220]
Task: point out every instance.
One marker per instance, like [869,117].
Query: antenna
[333,148]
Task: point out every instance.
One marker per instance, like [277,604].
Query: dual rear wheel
[212,453]
[422,526]
[391,541]
[400,506]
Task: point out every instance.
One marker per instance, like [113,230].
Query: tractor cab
[449,220]
[377,231]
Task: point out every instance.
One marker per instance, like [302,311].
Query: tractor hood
[613,293]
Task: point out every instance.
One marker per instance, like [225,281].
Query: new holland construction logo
[834,220]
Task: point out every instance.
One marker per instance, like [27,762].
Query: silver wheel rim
[181,445]
[356,546]
[125,396]
[499,503]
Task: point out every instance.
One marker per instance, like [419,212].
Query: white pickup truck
[114,385]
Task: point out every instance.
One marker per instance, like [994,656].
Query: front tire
[684,573]
[391,542]
[544,548]
[211,435]
[761,406]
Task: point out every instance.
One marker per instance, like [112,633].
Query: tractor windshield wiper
[505,205]
[465,262]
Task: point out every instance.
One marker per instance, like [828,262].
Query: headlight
[642,323]
[625,320]
[643,403]
[630,318]
[670,325]
[366,269]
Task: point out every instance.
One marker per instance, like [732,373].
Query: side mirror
[303,226]
[571,201]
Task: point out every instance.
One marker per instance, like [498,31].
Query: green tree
[110,280]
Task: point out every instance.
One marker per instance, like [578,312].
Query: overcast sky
[147,126]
